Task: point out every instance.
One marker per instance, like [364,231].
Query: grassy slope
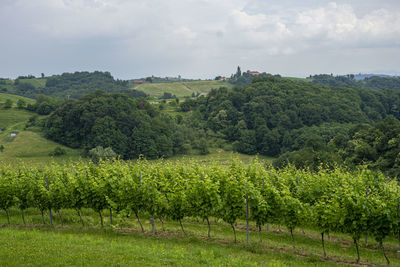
[14,99]
[8,84]
[37,82]
[125,245]
[32,148]
[11,118]
[180,89]
[29,146]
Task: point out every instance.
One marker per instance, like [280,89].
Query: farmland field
[180,89]
[36,82]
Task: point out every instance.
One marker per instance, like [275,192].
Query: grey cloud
[198,38]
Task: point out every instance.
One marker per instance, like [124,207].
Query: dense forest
[369,83]
[304,123]
[130,126]
[366,81]
[69,85]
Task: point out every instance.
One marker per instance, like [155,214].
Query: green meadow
[180,89]
[29,146]
[36,82]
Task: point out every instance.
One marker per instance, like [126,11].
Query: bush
[58,151]
[32,121]
[8,103]
[21,104]
[99,153]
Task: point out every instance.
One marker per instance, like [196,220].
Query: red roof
[138,82]
[253,72]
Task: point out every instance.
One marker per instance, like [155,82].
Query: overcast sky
[199,38]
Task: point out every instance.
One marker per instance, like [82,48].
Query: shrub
[58,151]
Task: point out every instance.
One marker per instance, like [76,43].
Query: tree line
[71,85]
[369,83]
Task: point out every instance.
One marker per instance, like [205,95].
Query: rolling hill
[29,144]
[180,89]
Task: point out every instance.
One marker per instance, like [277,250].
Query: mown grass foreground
[123,244]
[44,247]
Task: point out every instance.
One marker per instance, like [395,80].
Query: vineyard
[358,203]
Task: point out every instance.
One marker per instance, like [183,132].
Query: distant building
[138,82]
[255,73]
[220,78]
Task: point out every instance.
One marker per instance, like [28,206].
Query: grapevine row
[356,203]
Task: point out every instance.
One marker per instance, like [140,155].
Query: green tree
[8,104]
[21,104]
[238,72]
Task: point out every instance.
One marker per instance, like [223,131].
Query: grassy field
[14,99]
[6,85]
[12,118]
[37,82]
[124,244]
[29,146]
[180,89]
[32,148]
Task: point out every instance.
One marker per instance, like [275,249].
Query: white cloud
[185,33]
[339,25]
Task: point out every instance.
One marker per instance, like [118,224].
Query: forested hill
[299,122]
[275,115]
[69,85]
[369,83]
[131,127]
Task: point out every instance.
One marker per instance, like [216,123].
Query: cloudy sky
[199,38]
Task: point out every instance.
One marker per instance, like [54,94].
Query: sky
[199,38]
